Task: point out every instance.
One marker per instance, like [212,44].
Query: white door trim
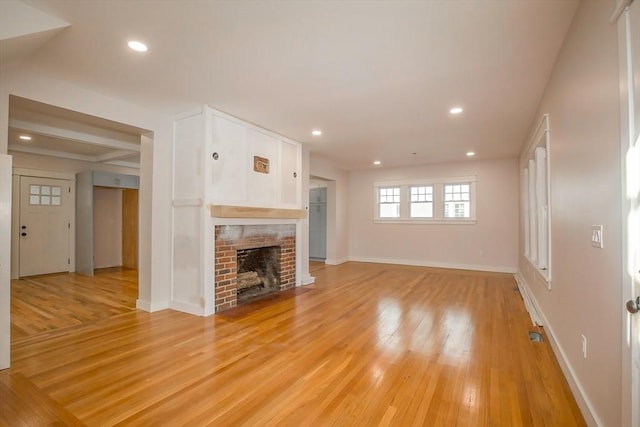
[38,173]
[5,257]
[630,367]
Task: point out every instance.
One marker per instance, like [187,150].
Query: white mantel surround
[215,182]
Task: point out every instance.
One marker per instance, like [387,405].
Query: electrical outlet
[584,346]
[596,236]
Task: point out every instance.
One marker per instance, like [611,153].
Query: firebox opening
[258,272]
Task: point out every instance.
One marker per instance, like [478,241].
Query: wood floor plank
[367,344]
[25,404]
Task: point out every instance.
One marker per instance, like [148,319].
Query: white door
[228,160]
[629,40]
[45,225]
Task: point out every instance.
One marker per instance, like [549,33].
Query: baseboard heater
[528,303]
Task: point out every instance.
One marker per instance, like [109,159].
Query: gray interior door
[318,223]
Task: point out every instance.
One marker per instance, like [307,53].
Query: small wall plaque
[260,164]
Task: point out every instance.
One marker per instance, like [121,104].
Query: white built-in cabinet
[213,164]
[214,158]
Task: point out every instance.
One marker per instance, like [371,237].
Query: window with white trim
[389,202]
[421,201]
[535,201]
[457,200]
[427,201]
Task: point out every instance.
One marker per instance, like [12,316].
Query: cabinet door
[229,162]
[290,173]
[263,183]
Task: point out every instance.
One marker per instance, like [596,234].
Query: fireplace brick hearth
[231,238]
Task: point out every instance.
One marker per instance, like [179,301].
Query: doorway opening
[115,227]
[317,219]
[57,145]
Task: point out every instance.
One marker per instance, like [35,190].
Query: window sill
[542,274]
[452,221]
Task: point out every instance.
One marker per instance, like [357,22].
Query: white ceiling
[378,77]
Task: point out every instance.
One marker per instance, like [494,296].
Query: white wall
[107,227]
[302,241]
[490,244]
[337,208]
[582,101]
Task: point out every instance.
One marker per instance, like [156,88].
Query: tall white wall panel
[229,162]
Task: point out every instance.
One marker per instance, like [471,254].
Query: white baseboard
[330,261]
[586,408]
[437,264]
[151,307]
[187,307]
[307,280]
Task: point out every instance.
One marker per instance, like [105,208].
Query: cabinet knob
[215,156]
[295,174]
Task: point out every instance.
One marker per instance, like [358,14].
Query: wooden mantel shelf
[227,211]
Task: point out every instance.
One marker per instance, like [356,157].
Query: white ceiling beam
[132,165]
[115,155]
[71,135]
[50,153]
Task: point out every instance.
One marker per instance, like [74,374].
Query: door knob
[633,306]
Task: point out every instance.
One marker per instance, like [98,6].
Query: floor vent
[535,337]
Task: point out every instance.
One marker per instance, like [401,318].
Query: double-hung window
[389,202]
[426,201]
[457,200]
[421,201]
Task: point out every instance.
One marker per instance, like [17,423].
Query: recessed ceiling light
[471,153]
[456,110]
[316,132]
[377,162]
[137,46]
[25,137]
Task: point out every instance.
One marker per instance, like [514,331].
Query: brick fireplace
[280,239]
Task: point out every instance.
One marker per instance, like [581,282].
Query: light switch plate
[596,236]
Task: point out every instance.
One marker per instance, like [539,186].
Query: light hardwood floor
[54,301]
[367,344]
